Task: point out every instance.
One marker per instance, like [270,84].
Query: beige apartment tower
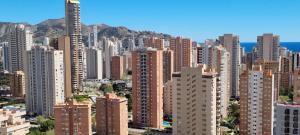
[73,118]
[194,102]
[268,47]
[182,48]
[147,87]
[111,115]
[17,84]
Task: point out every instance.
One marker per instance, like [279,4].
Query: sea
[292,46]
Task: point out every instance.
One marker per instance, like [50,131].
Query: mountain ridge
[54,28]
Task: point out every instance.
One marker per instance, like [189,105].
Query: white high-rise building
[94,63]
[19,41]
[232,45]
[194,102]
[45,80]
[111,48]
[4,51]
[287,119]
[93,37]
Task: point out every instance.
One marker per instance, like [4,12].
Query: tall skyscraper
[232,45]
[111,115]
[19,41]
[17,84]
[219,59]
[194,102]
[147,87]
[45,80]
[94,63]
[295,61]
[73,118]
[256,102]
[182,48]
[73,30]
[268,47]
[110,49]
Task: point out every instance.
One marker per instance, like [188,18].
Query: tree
[106,88]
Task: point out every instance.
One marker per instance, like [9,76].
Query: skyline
[196,20]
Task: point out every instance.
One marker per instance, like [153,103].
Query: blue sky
[197,19]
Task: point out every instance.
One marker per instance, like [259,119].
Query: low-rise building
[12,123]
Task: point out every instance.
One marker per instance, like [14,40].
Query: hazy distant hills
[55,27]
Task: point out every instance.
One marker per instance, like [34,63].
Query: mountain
[53,28]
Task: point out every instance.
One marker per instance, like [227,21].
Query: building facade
[111,115]
[256,102]
[12,123]
[287,119]
[17,84]
[73,118]
[147,87]
[94,63]
[73,30]
[19,41]
[268,47]
[45,80]
[182,48]
[168,65]
[232,45]
[194,102]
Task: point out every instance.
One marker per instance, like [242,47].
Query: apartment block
[147,87]
[168,65]
[268,47]
[73,118]
[117,70]
[194,102]
[111,115]
[256,102]
[45,80]
[182,48]
[17,84]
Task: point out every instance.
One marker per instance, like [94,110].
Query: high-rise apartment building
[285,73]
[268,47]
[73,30]
[73,118]
[147,87]
[117,70]
[287,119]
[94,63]
[256,102]
[219,59]
[17,84]
[168,65]
[182,48]
[111,115]
[45,80]
[232,45]
[194,102]
[93,37]
[153,42]
[295,61]
[19,41]
[111,48]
